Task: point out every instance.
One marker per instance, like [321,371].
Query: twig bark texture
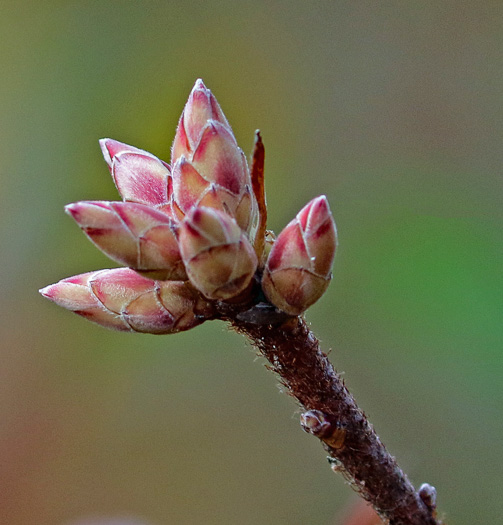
[294,354]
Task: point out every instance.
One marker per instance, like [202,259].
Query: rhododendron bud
[110,148]
[132,234]
[298,269]
[123,300]
[138,175]
[219,259]
[209,169]
[141,178]
[201,107]
[194,231]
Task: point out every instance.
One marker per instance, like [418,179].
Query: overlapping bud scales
[138,175]
[194,233]
[298,269]
[219,258]
[122,299]
[132,234]
[200,107]
[209,169]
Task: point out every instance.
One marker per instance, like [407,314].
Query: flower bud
[141,178]
[218,257]
[110,148]
[132,234]
[216,176]
[201,107]
[123,300]
[209,169]
[298,269]
[138,175]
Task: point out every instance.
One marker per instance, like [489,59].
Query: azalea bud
[209,169]
[218,257]
[201,107]
[216,176]
[132,234]
[141,178]
[123,300]
[298,269]
[138,175]
[110,148]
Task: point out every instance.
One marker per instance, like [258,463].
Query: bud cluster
[193,232]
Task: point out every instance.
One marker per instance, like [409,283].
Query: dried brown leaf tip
[194,232]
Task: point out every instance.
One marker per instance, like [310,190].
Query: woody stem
[295,355]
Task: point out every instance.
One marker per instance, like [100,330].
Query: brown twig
[293,352]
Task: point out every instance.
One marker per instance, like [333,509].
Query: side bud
[218,257]
[123,300]
[111,148]
[138,175]
[132,234]
[298,269]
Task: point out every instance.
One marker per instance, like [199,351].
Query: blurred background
[394,111]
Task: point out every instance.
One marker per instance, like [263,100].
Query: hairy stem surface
[350,440]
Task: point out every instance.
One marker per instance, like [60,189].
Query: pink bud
[189,188]
[138,175]
[218,159]
[209,169]
[132,234]
[219,259]
[123,300]
[298,269]
[141,178]
[215,176]
[110,148]
[201,107]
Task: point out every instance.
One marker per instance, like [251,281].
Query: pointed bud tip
[71,209]
[321,199]
[74,209]
[199,84]
[78,209]
[111,148]
[107,149]
[47,291]
[319,204]
[321,208]
[315,213]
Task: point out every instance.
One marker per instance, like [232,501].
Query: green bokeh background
[394,111]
